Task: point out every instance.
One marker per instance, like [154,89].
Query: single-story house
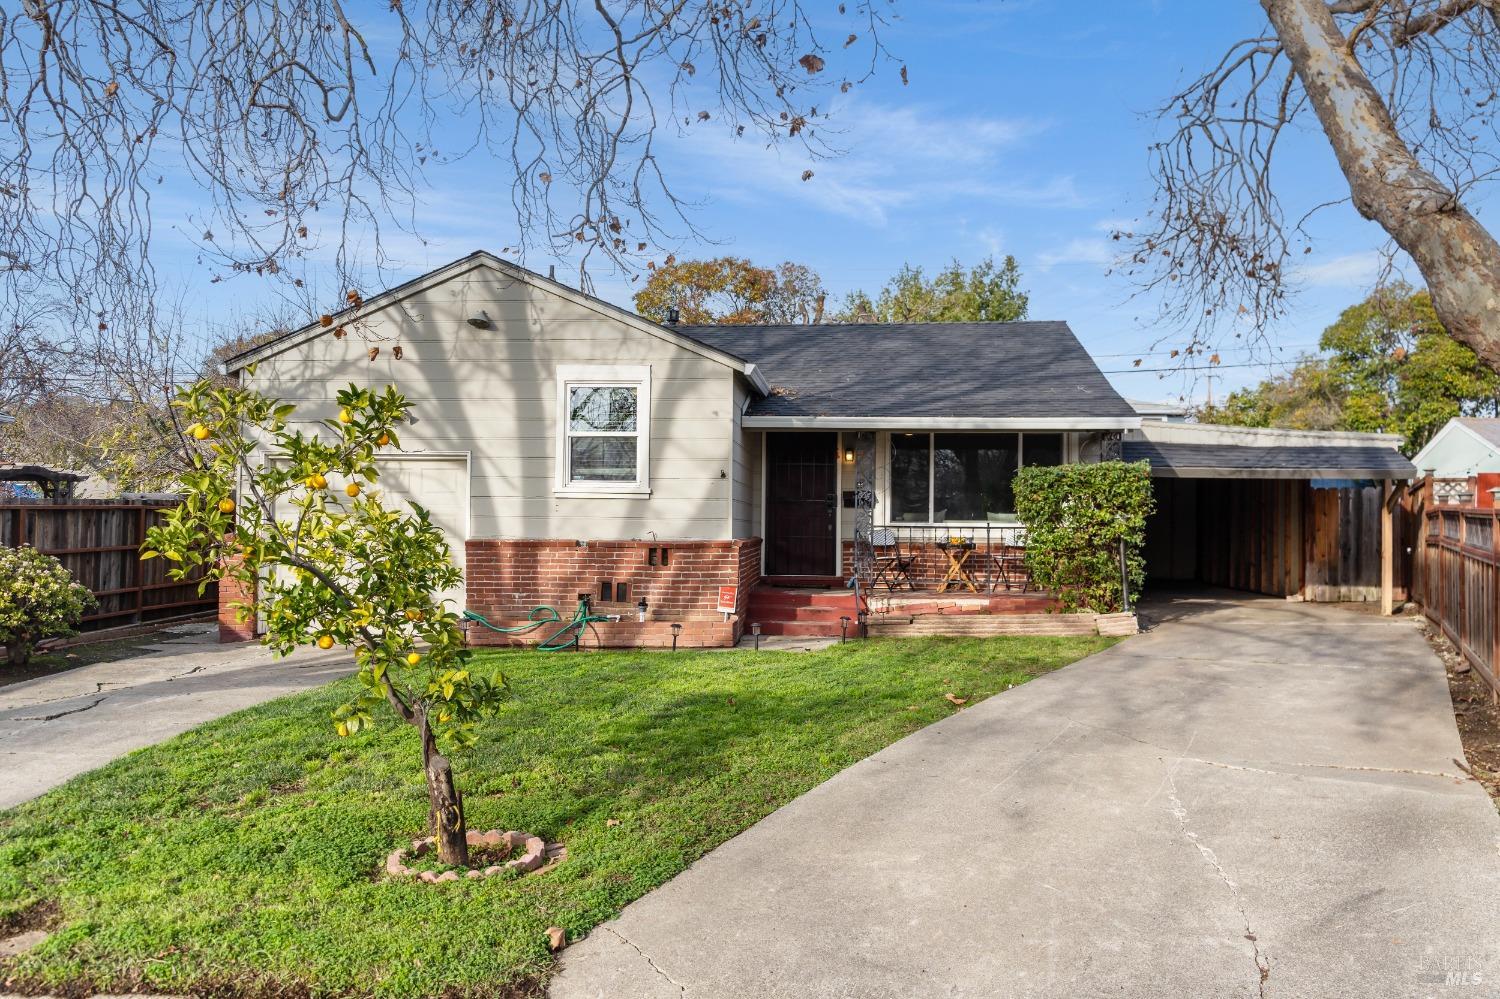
[1463,459]
[568,446]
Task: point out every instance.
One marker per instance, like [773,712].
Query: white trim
[752,372]
[1420,458]
[838,503]
[940,423]
[763,448]
[636,376]
[474,261]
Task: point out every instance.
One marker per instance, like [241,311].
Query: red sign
[728,598]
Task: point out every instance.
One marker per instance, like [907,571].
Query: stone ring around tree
[536,853]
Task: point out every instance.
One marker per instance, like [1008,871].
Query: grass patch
[242,857]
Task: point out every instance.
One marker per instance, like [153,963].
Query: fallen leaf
[611,823]
[955,700]
[556,938]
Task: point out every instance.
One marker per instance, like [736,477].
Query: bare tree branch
[1404,90]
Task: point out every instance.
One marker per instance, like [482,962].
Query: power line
[1202,367]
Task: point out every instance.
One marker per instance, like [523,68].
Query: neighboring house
[1463,459]
[568,446]
[1168,412]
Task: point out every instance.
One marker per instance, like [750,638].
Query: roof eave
[482,258]
[1213,472]
[941,423]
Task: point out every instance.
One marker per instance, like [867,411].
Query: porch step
[770,597]
[802,613]
[806,629]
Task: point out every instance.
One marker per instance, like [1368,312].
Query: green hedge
[1075,517]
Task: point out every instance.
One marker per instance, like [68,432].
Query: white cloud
[1090,250]
[1352,270]
[889,158]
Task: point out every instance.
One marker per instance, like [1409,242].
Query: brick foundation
[506,579]
[231,596]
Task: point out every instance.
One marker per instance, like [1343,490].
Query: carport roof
[1239,461]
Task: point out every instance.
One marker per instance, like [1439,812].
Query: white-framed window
[962,477]
[604,429]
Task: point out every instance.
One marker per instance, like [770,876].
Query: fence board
[1456,579]
[98,543]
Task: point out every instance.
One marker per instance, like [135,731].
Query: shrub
[1075,517]
[38,599]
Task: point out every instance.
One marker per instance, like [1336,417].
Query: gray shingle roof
[1486,427]
[1026,370]
[1325,461]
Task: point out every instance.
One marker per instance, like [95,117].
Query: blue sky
[1023,130]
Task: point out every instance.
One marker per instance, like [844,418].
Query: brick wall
[679,580]
[232,594]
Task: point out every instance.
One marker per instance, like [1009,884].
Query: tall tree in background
[1404,92]
[1390,367]
[987,292]
[732,290]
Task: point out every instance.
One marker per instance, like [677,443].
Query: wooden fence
[1457,581]
[99,543]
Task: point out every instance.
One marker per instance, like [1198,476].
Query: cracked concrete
[58,726]
[1254,799]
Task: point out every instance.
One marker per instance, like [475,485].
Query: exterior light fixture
[848,455]
[864,624]
[480,320]
[640,610]
[676,630]
[673,316]
[843,629]
[755,630]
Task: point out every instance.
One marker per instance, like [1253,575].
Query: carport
[1282,513]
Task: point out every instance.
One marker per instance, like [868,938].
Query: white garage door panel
[441,487]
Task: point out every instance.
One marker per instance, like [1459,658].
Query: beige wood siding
[745,499]
[492,393]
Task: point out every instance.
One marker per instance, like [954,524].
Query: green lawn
[243,857]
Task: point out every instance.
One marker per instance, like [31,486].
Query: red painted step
[801,612]
[804,629]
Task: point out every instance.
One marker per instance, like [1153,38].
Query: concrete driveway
[1256,798]
[59,726]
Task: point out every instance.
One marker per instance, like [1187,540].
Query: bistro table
[958,553]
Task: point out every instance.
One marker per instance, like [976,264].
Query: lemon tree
[297,518]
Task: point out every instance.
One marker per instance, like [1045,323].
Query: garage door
[441,486]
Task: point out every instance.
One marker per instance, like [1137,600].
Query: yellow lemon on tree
[325,641]
[345,416]
[226,505]
[413,614]
[199,432]
[318,481]
[383,440]
[352,489]
[412,658]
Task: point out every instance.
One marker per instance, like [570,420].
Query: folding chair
[891,565]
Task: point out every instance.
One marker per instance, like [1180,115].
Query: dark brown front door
[801,503]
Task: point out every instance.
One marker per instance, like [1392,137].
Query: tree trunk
[18,652]
[1457,256]
[445,807]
